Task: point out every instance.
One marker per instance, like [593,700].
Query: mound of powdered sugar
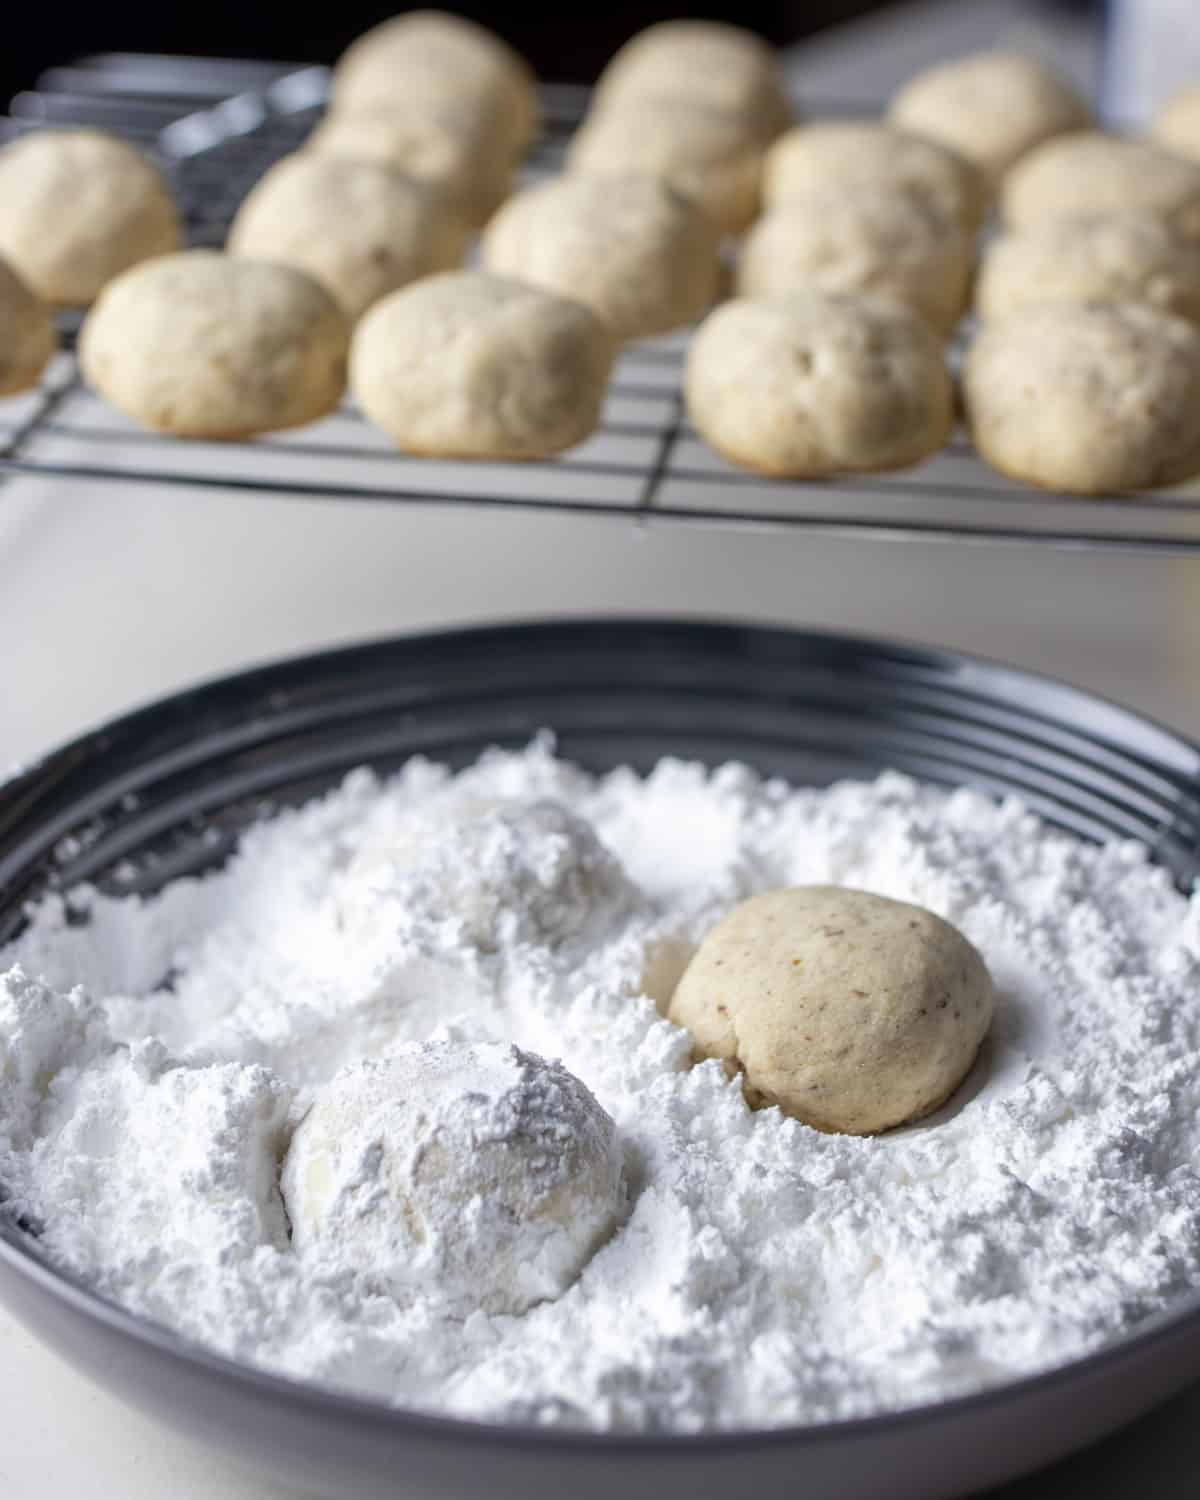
[758,1273]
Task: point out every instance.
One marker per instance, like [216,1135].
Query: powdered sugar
[761,1273]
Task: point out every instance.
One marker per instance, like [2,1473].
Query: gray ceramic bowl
[170,787]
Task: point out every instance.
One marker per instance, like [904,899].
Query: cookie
[812,384]
[991,107]
[706,154]
[1089,174]
[448,147]
[469,365]
[430,56]
[359,229]
[1087,398]
[1177,124]
[860,240]
[204,345]
[862,154]
[1126,258]
[78,208]
[700,62]
[850,1011]
[27,334]
[641,257]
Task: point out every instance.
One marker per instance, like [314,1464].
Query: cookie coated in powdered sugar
[761,1273]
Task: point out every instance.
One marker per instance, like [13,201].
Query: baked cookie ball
[78,207]
[640,256]
[487,874]
[860,240]
[811,384]
[481,1174]
[849,1011]
[204,345]
[447,147]
[1089,398]
[469,365]
[359,229]
[706,154]
[1125,258]
[1088,174]
[861,154]
[27,334]
[700,62]
[992,107]
[1177,124]
[432,56]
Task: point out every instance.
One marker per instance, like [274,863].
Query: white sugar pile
[739,1269]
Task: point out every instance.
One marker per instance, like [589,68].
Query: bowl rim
[19,1255]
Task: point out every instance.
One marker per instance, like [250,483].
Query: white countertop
[110,595]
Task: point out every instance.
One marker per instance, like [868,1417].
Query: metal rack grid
[217,125]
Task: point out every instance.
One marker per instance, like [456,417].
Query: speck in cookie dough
[411,989]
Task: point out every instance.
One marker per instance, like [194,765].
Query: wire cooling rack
[216,125]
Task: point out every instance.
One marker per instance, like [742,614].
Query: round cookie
[811,384]
[991,107]
[850,1011]
[1120,259]
[1089,398]
[860,240]
[469,365]
[359,229]
[448,148]
[699,62]
[501,870]
[27,334]
[433,57]
[1177,124]
[641,257]
[1088,174]
[204,345]
[480,1174]
[708,155]
[866,155]
[78,208]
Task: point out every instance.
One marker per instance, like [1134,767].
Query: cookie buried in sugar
[852,1012]
[483,1174]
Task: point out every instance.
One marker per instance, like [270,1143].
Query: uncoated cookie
[861,154]
[992,107]
[27,335]
[1088,398]
[640,256]
[701,62]
[1177,124]
[860,239]
[847,1010]
[430,55]
[1123,258]
[1089,173]
[78,208]
[359,229]
[204,345]
[468,365]
[812,384]
[449,146]
[712,156]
